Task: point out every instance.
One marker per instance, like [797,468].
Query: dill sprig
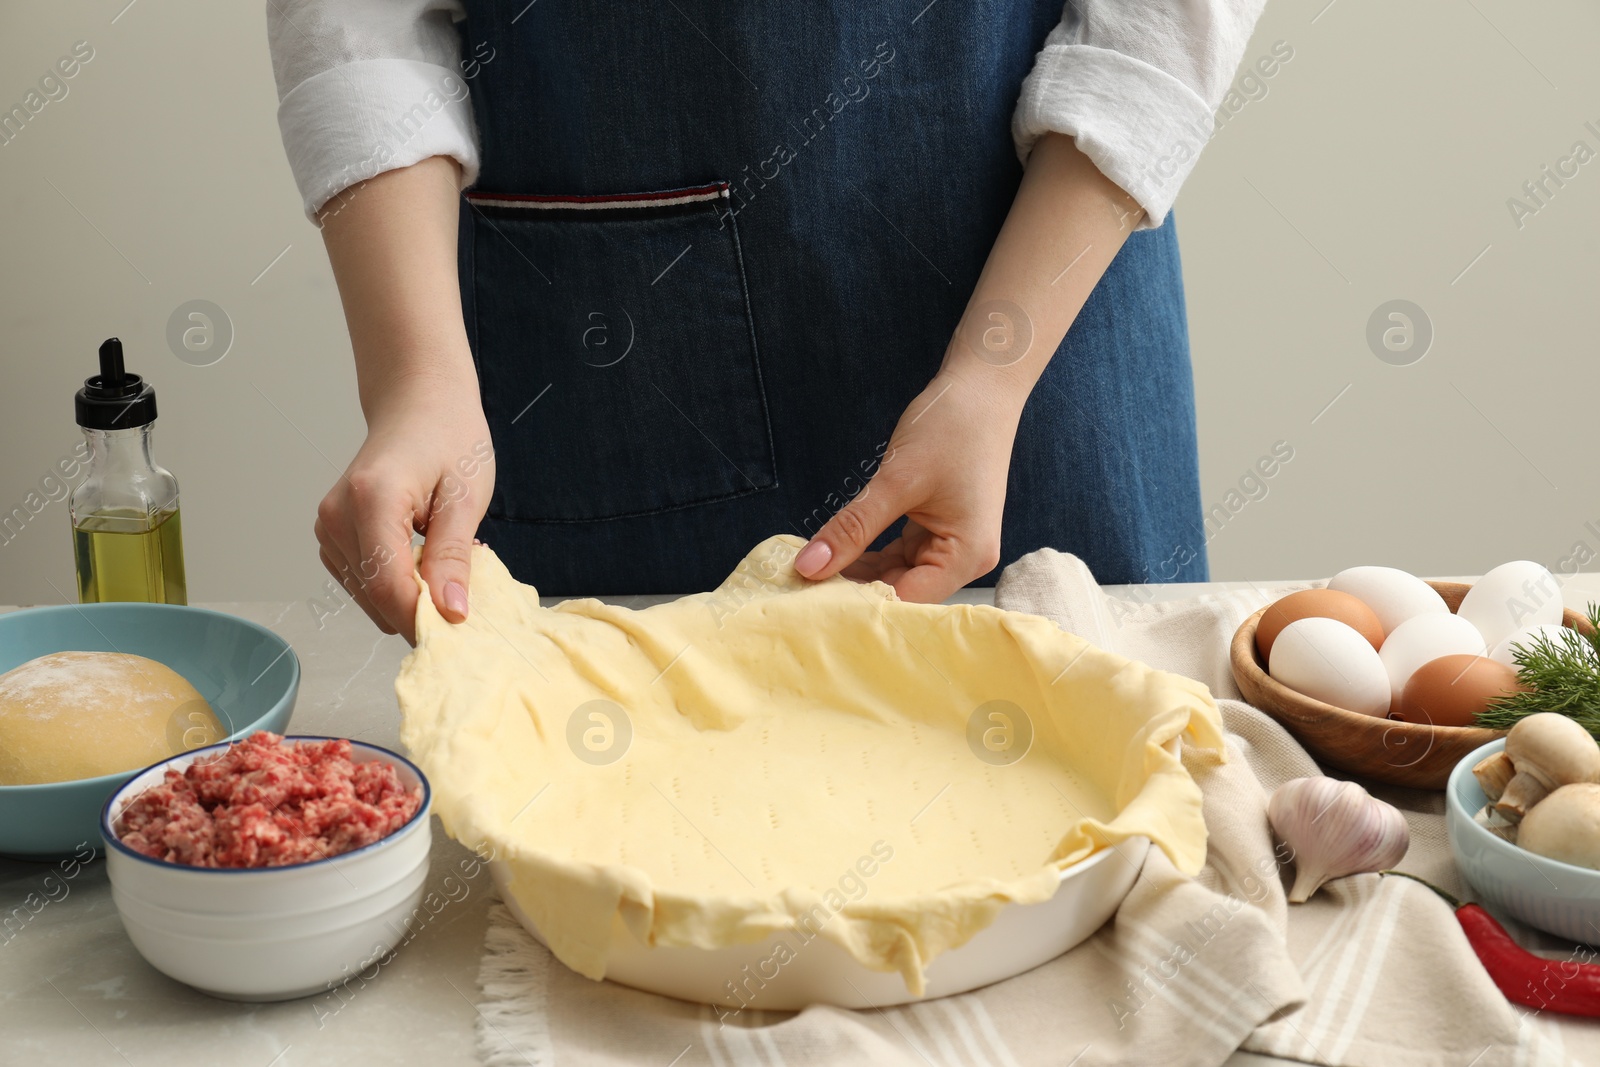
[1564,676]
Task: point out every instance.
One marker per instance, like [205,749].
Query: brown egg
[1317,604]
[1452,690]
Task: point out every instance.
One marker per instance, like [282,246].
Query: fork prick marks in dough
[923,810]
[529,804]
[702,834]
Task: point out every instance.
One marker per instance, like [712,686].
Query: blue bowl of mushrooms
[1523,818]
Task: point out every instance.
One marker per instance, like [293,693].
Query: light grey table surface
[74,990]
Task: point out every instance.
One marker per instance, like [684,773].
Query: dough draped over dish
[780,755]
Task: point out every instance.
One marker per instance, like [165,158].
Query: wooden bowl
[1382,750]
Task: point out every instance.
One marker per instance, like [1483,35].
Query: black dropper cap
[115,399]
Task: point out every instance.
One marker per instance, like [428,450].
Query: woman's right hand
[427,466]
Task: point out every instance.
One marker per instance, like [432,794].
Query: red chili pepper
[1564,986]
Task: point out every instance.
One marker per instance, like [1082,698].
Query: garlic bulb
[1335,828]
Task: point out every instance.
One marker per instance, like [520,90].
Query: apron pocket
[616,354]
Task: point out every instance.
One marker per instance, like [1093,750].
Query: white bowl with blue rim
[271,933]
[248,674]
[1556,897]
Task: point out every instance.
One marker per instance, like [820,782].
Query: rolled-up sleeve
[1136,84]
[366,86]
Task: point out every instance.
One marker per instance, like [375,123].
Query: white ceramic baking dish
[1022,937]
[820,972]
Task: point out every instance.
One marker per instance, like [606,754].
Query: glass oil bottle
[127,537]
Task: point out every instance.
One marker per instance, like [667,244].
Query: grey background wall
[1375,165]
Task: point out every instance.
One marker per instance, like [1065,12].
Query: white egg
[1392,594]
[1333,663]
[1426,637]
[1510,597]
[1526,636]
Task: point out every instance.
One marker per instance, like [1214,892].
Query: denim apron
[714,252]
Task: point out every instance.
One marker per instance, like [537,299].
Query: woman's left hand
[944,469]
[947,462]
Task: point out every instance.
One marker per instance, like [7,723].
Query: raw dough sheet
[779,753]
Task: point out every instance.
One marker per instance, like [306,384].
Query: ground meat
[261,803]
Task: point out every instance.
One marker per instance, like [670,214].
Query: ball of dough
[83,714]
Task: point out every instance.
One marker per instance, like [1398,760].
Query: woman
[725,271]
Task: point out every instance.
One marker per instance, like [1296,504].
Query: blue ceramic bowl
[1553,896]
[247,673]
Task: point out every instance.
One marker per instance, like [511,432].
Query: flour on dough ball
[74,715]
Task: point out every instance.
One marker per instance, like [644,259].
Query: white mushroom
[1565,826]
[1548,752]
[1491,821]
[1493,773]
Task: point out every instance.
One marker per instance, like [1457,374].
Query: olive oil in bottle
[126,535]
[120,557]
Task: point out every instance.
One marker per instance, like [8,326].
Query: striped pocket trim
[666,198]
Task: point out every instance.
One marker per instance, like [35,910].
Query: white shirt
[366,86]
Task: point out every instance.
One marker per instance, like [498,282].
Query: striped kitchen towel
[1388,977]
